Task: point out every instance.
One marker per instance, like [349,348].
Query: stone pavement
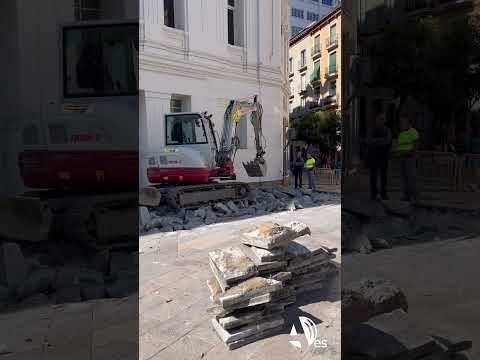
[92,330]
[174,297]
[440,280]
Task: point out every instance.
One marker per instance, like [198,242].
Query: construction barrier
[440,168]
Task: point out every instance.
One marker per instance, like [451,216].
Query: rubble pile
[258,202]
[44,275]
[254,281]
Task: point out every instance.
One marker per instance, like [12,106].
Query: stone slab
[269,236]
[221,311]
[240,318]
[232,264]
[306,246]
[390,335]
[282,276]
[259,255]
[248,289]
[229,336]
[258,336]
[294,265]
[215,289]
[299,228]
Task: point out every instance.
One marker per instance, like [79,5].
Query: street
[174,323]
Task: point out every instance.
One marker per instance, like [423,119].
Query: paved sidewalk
[174,297]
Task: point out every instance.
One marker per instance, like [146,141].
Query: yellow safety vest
[406,140]
[310,163]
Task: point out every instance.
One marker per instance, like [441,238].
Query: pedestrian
[298,163]
[406,148]
[310,165]
[378,143]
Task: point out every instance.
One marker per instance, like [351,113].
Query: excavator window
[185,129]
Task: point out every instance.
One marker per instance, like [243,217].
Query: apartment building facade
[198,55]
[314,67]
[304,12]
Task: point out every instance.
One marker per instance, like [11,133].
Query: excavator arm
[230,142]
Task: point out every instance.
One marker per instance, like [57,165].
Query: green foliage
[431,62]
[321,129]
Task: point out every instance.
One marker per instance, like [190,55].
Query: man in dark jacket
[379,142]
[298,168]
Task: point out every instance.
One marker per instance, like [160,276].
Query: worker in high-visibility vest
[406,148]
[310,165]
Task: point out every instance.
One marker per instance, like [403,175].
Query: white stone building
[196,55]
[305,12]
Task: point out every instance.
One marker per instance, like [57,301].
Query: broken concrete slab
[387,336]
[220,310]
[258,336]
[144,216]
[370,297]
[240,318]
[306,246]
[222,208]
[13,268]
[215,289]
[230,265]
[269,236]
[299,228]
[233,335]
[263,255]
[282,276]
[248,289]
[297,264]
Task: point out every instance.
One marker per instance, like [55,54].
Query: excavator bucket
[256,168]
[24,218]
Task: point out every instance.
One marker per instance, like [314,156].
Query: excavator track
[197,195]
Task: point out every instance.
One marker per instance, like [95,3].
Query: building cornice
[316,26]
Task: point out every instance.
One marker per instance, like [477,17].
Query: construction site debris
[254,281]
[257,202]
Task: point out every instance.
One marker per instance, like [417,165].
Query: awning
[316,72]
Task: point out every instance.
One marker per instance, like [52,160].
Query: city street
[174,297]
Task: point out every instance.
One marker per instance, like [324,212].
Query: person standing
[298,163]
[379,142]
[310,165]
[406,148]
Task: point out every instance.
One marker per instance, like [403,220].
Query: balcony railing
[316,52]
[329,100]
[332,41]
[417,5]
[331,70]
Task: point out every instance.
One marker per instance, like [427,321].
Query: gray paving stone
[233,335]
[306,246]
[261,255]
[269,236]
[231,265]
[299,228]
[248,289]
[258,336]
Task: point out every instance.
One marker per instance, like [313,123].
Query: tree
[437,65]
[321,129]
